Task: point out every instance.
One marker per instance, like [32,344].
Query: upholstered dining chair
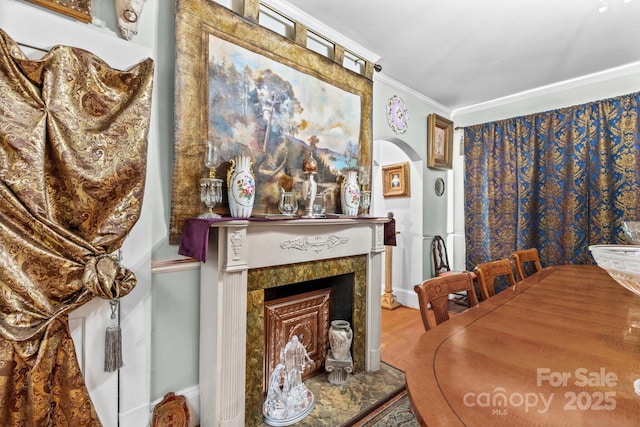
[441,266]
[524,258]
[489,271]
[433,296]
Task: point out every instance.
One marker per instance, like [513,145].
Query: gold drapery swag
[73,144]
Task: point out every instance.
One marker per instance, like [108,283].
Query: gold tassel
[113,340]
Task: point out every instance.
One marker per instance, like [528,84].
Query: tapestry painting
[252,91]
[278,116]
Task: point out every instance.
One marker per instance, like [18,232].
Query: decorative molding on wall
[314,243]
[383,78]
[589,79]
[174,265]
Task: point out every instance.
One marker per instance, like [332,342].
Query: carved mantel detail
[314,243]
[236,239]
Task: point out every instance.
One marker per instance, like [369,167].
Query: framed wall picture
[252,92]
[78,9]
[395,180]
[439,142]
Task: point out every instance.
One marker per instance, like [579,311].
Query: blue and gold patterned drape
[558,181]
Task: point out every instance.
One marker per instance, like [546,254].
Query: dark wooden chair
[488,272]
[441,267]
[524,259]
[433,296]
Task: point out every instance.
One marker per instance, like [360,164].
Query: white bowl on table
[622,262]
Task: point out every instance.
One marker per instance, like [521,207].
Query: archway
[408,255]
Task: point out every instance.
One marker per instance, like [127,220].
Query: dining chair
[524,259]
[433,296]
[441,266]
[488,272]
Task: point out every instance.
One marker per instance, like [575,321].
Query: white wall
[407,255]
[423,215]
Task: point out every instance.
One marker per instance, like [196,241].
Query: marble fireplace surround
[243,258]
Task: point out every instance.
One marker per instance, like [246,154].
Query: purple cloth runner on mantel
[194,241]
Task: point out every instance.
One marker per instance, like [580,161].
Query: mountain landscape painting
[279,116]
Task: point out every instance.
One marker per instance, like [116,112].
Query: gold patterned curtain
[558,181]
[72,167]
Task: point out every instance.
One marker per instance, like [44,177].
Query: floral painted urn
[242,187]
[350,193]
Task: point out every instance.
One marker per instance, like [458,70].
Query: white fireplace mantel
[239,245]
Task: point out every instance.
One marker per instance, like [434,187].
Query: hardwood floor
[400,327]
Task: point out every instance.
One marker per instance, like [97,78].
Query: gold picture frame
[201,24]
[439,142]
[78,9]
[396,181]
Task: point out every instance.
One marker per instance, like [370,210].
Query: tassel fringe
[113,341]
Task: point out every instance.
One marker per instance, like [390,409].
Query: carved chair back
[488,272]
[524,258]
[433,296]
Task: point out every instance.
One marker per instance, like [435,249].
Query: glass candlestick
[212,158]
[210,186]
[210,195]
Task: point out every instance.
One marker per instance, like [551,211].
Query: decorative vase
[340,337]
[350,194]
[242,187]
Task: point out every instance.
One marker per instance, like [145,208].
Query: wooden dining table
[561,348]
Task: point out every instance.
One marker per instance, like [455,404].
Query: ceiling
[461,53]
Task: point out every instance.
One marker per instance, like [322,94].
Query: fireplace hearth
[248,262]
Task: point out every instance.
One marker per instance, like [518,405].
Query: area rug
[396,412]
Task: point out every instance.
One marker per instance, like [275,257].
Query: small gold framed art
[395,180]
[439,142]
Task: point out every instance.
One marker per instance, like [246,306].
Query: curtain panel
[72,167]
[558,181]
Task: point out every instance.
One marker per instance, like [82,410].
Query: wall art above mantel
[254,92]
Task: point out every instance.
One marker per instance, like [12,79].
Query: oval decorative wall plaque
[397,114]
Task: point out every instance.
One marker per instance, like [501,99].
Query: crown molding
[383,78]
[589,79]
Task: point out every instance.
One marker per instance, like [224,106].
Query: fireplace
[304,309]
[248,259]
[304,315]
